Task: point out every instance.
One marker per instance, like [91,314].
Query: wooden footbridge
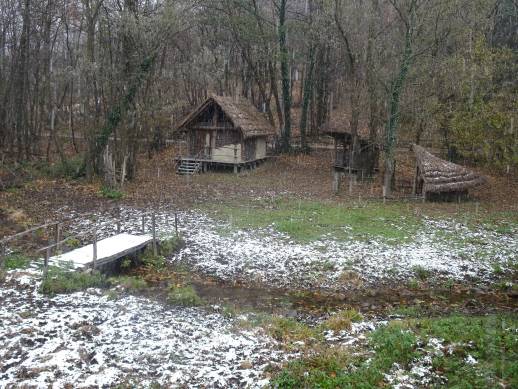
[93,255]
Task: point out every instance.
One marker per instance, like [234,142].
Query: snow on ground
[420,373]
[87,340]
[269,257]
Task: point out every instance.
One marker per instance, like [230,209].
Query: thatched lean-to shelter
[224,131]
[437,179]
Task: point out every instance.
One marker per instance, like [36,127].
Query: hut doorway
[250,149]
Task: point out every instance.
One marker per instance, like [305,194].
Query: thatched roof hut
[435,175]
[226,131]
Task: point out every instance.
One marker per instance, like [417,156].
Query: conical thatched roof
[241,112]
[443,176]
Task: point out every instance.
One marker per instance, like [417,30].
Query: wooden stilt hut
[437,179]
[224,131]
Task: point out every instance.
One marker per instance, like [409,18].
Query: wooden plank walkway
[108,250]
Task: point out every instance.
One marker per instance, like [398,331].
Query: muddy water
[311,305]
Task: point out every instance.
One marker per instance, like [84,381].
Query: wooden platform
[108,250]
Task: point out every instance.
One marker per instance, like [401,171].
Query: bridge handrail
[58,241]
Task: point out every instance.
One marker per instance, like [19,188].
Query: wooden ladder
[186,167]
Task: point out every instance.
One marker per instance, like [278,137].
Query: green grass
[310,220]
[183,295]
[112,194]
[491,340]
[422,273]
[332,369]
[165,248]
[286,329]
[342,320]
[168,245]
[128,282]
[62,281]
[16,261]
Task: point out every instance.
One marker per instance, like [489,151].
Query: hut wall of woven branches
[225,131]
[440,180]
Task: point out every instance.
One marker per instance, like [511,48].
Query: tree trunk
[286,79]
[308,91]
[393,119]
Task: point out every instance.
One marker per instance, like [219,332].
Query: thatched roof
[340,126]
[443,176]
[241,112]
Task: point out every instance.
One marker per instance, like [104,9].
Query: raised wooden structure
[437,179]
[226,131]
[365,161]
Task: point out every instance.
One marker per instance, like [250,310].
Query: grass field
[392,223]
[456,351]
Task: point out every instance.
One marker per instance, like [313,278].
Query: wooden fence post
[384,194]
[46,262]
[235,159]
[95,248]
[58,238]
[118,220]
[176,224]
[2,255]
[153,221]
[143,224]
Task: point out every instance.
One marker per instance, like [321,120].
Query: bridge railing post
[153,221]
[46,262]
[176,224]
[118,220]
[94,248]
[58,238]
[143,224]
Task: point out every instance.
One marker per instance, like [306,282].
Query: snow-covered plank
[108,250]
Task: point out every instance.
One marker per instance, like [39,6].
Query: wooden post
[336,181]
[46,262]
[235,159]
[95,248]
[476,208]
[2,255]
[143,224]
[414,183]
[176,223]
[153,222]
[384,195]
[118,220]
[58,238]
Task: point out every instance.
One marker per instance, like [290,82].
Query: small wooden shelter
[437,179]
[224,131]
[365,161]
